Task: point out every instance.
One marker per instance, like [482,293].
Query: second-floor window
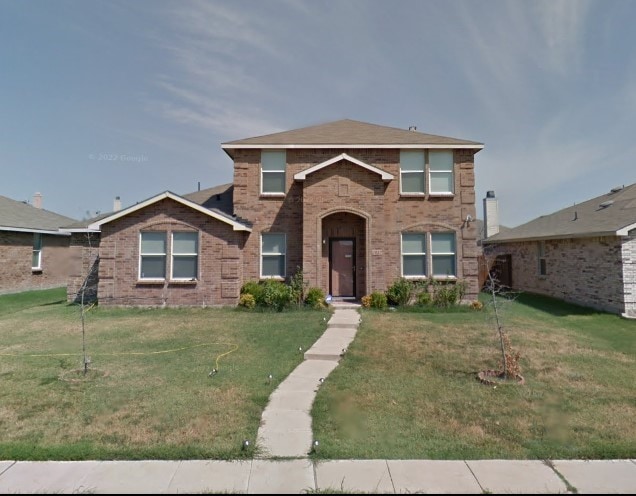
[440,164]
[273,254]
[412,172]
[273,171]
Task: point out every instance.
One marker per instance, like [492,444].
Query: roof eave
[491,241]
[58,232]
[237,226]
[251,146]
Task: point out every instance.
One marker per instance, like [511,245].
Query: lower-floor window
[36,259]
[439,261]
[273,254]
[152,255]
[183,255]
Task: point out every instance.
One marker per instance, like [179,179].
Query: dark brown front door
[342,266]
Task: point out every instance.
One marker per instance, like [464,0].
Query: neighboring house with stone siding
[33,252]
[355,205]
[584,254]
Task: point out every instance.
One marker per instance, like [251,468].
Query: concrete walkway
[301,476]
[285,429]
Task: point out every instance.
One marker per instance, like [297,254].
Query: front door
[342,267]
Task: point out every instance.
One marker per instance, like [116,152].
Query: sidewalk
[303,475]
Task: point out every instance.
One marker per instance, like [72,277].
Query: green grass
[407,387]
[136,404]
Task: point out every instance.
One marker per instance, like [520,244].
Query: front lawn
[148,393]
[407,389]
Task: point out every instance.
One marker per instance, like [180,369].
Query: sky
[117,98]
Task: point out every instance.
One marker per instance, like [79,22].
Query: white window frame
[165,255]
[542,269]
[454,254]
[37,248]
[173,255]
[432,173]
[424,254]
[283,254]
[283,171]
[413,172]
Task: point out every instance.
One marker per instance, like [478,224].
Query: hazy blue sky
[549,87]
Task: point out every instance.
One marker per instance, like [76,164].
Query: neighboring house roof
[481,229]
[611,214]
[218,198]
[216,214]
[348,133]
[22,217]
[82,225]
[301,176]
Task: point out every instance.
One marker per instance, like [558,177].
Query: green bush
[275,295]
[247,300]
[447,294]
[298,286]
[378,300]
[400,292]
[253,288]
[315,298]
[424,299]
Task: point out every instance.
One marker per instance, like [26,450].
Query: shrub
[424,299]
[247,300]
[400,292]
[275,295]
[253,288]
[315,298]
[298,286]
[366,301]
[447,294]
[378,300]
[477,305]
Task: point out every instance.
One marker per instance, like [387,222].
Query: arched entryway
[343,264]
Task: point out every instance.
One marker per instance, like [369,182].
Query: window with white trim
[185,255]
[414,254]
[441,177]
[36,259]
[273,254]
[443,254]
[152,255]
[541,262]
[412,176]
[273,164]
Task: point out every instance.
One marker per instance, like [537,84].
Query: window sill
[155,282]
[445,278]
[35,270]
[269,278]
[441,195]
[272,195]
[413,195]
[183,282]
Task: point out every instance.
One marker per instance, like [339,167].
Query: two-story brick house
[356,205]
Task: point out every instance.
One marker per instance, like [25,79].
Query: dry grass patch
[148,393]
[410,388]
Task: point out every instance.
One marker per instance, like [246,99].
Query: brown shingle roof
[604,215]
[21,215]
[349,132]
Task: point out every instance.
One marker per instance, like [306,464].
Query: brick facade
[629,274]
[597,272]
[16,251]
[219,262]
[346,200]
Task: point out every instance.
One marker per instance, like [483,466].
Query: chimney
[491,214]
[117,204]
[37,200]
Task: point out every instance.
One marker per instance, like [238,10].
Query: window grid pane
[153,243]
[444,265]
[412,182]
[440,160]
[414,265]
[273,182]
[412,160]
[273,160]
[413,243]
[153,267]
[273,266]
[35,260]
[441,182]
[185,243]
[273,244]
[184,267]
